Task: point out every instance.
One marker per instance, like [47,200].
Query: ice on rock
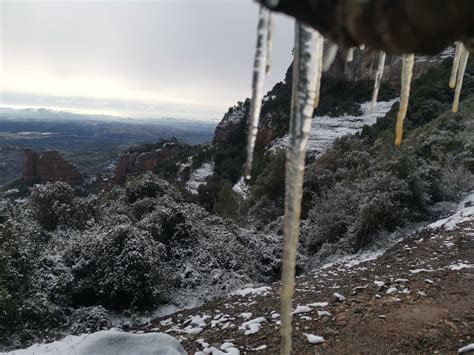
[108,342]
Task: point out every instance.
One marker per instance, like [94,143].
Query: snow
[379,283]
[460,266]
[314,339]
[464,213]
[259,291]
[252,326]
[325,129]
[241,188]
[108,342]
[339,297]
[466,348]
[301,309]
[391,290]
[318,304]
[199,176]
[324,314]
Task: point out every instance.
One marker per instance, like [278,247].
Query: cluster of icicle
[308,66]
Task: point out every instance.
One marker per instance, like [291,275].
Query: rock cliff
[48,166]
[143,160]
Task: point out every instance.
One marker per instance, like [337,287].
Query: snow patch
[241,188]
[259,291]
[325,129]
[314,339]
[464,213]
[199,176]
[108,342]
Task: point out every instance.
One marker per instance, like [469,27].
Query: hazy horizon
[148,59]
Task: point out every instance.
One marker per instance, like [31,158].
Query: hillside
[411,296]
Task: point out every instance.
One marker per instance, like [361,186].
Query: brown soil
[434,315]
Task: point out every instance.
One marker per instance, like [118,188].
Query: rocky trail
[416,297]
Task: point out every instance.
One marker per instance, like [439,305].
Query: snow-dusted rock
[314,339]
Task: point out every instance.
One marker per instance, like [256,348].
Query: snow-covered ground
[241,188]
[199,176]
[464,213]
[325,129]
[108,342]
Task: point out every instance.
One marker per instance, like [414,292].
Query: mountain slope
[413,297]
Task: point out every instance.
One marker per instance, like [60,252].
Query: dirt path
[416,298]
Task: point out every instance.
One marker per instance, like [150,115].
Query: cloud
[175,55]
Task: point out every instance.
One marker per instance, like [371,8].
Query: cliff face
[364,65]
[135,162]
[49,166]
[274,119]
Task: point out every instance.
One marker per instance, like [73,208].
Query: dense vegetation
[67,260]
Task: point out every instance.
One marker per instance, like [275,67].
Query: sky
[141,59]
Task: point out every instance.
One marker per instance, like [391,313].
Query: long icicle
[462,69]
[330,56]
[378,80]
[269,44]
[319,56]
[350,54]
[305,68]
[454,70]
[407,74]
[259,69]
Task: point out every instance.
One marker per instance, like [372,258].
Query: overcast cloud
[188,58]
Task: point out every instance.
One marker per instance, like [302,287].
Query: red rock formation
[49,166]
[131,163]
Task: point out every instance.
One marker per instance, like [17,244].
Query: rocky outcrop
[274,119]
[139,161]
[364,65]
[49,166]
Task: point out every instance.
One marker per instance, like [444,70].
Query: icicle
[407,74]
[305,74]
[269,44]
[378,80]
[462,69]
[259,68]
[330,56]
[454,71]
[319,73]
[350,55]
